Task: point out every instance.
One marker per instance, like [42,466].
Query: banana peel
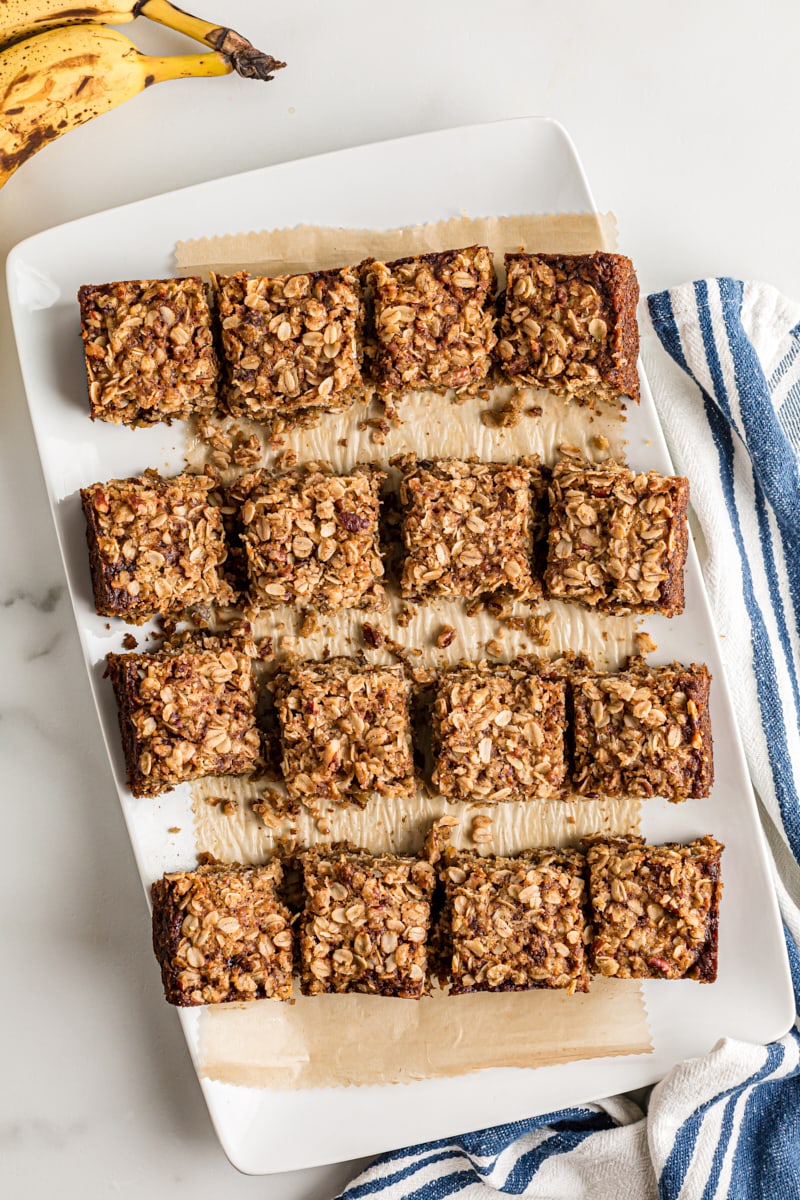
[62,78]
[21,19]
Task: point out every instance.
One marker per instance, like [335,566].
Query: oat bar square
[184,713]
[345,731]
[645,731]
[434,321]
[467,530]
[291,342]
[156,546]
[568,323]
[498,734]
[618,538]
[365,925]
[149,350]
[510,924]
[654,909]
[222,934]
[312,538]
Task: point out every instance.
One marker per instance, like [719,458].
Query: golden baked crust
[498,734]
[433,321]
[185,713]
[509,924]
[312,538]
[156,546]
[645,731]
[468,530]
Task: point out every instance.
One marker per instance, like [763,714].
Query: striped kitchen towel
[723,360]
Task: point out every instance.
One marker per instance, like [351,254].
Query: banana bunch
[60,66]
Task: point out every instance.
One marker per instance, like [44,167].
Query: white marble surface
[684,119]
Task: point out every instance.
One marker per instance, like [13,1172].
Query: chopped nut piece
[644,643]
[506,416]
[345,731]
[405,615]
[184,713]
[309,625]
[149,350]
[645,731]
[437,839]
[247,453]
[655,909]
[373,637]
[537,627]
[509,924]
[221,934]
[481,831]
[468,530]
[311,538]
[618,538]
[568,323]
[365,924]
[156,546]
[498,734]
[433,321]
[292,342]
[445,637]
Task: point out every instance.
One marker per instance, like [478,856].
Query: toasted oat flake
[655,909]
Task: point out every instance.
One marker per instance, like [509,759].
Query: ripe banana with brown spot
[23,18]
[64,77]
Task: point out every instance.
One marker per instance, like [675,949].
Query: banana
[60,79]
[23,18]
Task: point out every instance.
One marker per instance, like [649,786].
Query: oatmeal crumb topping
[345,731]
[365,924]
[434,323]
[149,350]
[654,908]
[514,923]
[221,934]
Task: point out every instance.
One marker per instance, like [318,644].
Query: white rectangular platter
[522,166]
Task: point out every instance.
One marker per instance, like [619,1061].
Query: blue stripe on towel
[769,697]
[680,1157]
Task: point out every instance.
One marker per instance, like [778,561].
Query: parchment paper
[346,1040]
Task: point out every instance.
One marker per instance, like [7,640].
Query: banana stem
[244,58]
[184,66]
